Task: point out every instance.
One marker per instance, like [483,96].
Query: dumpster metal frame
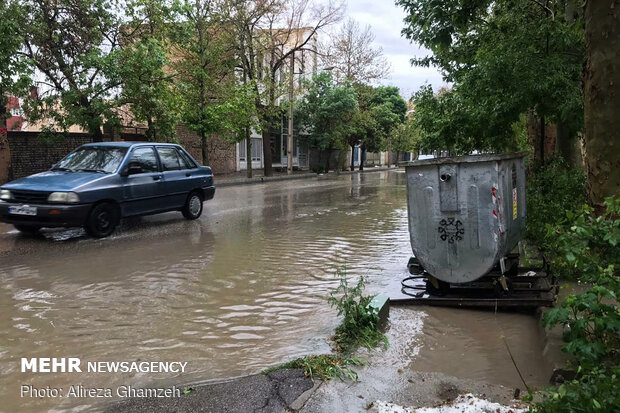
[465,213]
[533,287]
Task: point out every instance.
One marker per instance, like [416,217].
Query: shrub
[319,169]
[360,323]
[595,391]
[552,188]
[585,246]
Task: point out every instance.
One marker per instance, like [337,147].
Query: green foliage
[147,80]
[359,326]
[406,136]
[587,247]
[323,366]
[503,58]
[551,189]
[591,322]
[325,111]
[597,391]
[211,98]
[14,71]
[75,46]
[319,168]
[148,89]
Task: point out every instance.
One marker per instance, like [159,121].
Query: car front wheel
[102,220]
[193,206]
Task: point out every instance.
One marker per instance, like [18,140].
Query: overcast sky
[386,21]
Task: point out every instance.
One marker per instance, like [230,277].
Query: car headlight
[64,197]
[5,195]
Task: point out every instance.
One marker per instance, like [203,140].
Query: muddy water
[240,289]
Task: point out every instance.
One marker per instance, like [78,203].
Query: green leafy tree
[326,111]
[504,59]
[14,72]
[74,45]
[212,99]
[147,77]
[406,137]
[381,109]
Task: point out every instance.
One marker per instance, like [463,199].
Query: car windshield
[104,159]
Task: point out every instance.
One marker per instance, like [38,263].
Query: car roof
[123,144]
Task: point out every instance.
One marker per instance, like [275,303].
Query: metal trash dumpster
[465,213]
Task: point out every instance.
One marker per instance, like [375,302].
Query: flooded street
[240,289]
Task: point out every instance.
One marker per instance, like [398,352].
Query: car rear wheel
[28,229]
[193,206]
[102,220]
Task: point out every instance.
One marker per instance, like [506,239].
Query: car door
[142,188]
[177,176]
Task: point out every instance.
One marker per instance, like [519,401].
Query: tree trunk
[352,158]
[204,148]
[362,159]
[267,152]
[602,99]
[568,146]
[248,151]
[534,137]
[97,135]
[5,154]
[543,137]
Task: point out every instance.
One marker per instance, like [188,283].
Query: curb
[264,179]
[301,401]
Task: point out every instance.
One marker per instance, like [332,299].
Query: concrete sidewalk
[240,178]
[280,391]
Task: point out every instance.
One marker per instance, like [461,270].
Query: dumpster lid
[468,158]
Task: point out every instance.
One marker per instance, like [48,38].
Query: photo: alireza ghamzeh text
[309,206]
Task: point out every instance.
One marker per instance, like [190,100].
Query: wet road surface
[236,291]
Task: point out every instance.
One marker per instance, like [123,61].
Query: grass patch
[323,366]
[360,323]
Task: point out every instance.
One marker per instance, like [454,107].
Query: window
[145,158]
[189,163]
[170,159]
[257,150]
[92,158]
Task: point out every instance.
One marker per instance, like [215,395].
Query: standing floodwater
[240,289]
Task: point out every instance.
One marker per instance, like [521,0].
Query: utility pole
[289,146]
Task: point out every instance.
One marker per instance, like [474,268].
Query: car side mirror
[134,169]
[131,169]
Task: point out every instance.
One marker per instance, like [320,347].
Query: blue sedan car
[99,183]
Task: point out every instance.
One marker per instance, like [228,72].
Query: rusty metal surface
[465,213]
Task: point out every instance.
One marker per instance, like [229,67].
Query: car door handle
[188,174]
[156,177]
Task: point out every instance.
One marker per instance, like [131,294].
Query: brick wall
[222,154]
[30,155]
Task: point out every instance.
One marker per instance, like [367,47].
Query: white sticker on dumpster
[514,203]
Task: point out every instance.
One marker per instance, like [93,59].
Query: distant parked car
[99,183]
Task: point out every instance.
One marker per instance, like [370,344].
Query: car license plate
[23,210]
